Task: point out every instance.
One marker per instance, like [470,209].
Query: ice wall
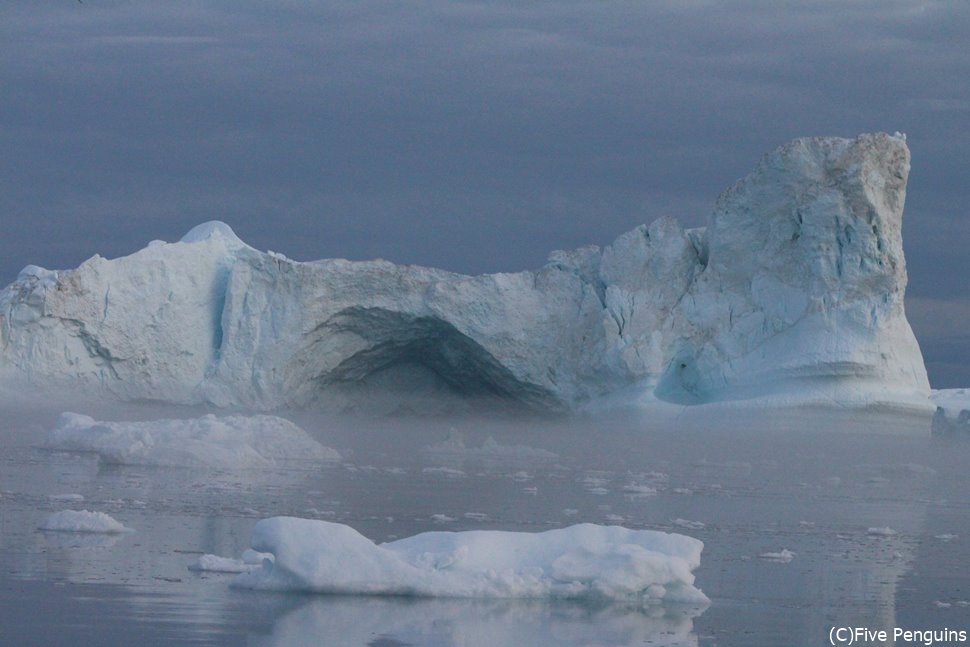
[792,293]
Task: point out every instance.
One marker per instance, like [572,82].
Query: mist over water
[821,486]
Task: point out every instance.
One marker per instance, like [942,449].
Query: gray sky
[471,136]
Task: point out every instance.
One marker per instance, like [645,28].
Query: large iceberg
[792,293]
[584,561]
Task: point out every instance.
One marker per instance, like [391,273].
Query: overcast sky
[470,136]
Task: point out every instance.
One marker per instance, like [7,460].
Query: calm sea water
[812,484]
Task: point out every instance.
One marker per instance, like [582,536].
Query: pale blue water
[814,490]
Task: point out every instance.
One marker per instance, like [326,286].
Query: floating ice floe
[84,521]
[249,561]
[882,532]
[208,441]
[783,556]
[584,561]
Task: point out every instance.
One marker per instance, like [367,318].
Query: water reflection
[470,623]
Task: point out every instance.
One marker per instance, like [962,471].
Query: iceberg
[952,411]
[234,442]
[84,521]
[209,563]
[584,561]
[792,293]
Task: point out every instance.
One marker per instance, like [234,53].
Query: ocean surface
[873,511]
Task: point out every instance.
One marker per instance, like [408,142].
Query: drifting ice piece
[582,561]
[210,441]
[84,521]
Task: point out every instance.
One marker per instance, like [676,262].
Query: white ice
[209,441]
[581,561]
[793,293]
[783,556]
[249,561]
[84,521]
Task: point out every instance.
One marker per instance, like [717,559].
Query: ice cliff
[793,292]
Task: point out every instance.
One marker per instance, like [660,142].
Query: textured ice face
[583,561]
[793,292]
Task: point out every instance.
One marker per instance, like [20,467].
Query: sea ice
[249,561]
[84,521]
[581,561]
[783,556]
[208,441]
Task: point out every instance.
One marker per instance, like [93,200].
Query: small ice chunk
[449,472]
[249,561]
[215,564]
[584,561]
[882,532]
[635,490]
[783,556]
[84,521]
[441,518]
[947,536]
[686,523]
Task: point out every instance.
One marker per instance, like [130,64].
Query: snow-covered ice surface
[792,294]
[812,486]
[236,442]
[84,521]
[584,561]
